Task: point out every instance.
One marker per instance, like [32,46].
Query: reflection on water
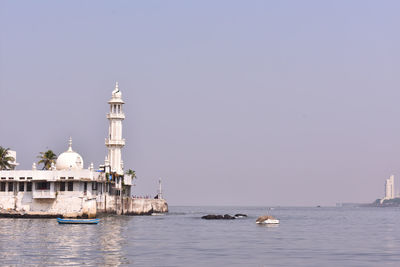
[304,237]
[111,241]
[45,242]
[268,225]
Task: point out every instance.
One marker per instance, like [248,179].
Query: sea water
[326,236]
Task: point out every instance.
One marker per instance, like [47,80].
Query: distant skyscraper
[389,188]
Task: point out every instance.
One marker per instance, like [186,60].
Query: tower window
[2,186]
[28,186]
[10,187]
[62,186]
[21,187]
[70,186]
[119,108]
[43,186]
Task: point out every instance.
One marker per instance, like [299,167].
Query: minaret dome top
[116,96]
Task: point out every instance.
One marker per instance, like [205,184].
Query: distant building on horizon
[389,188]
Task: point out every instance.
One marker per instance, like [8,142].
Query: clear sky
[230,102]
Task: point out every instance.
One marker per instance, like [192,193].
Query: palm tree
[5,159]
[47,158]
[131,173]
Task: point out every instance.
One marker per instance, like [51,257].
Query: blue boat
[78,221]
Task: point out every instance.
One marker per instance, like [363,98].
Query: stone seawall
[135,206]
[61,206]
[81,207]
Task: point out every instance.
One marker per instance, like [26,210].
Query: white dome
[69,160]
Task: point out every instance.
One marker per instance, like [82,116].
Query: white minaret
[114,141]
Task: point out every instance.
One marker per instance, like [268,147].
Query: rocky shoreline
[394,202]
[30,215]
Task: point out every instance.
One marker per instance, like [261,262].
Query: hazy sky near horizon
[230,102]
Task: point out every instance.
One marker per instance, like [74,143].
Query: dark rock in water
[211,217]
[239,215]
[229,217]
[218,217]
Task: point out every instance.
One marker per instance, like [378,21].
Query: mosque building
[69,190]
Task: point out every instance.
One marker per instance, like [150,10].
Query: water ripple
[305,237]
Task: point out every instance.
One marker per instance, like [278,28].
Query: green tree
[131,173]
[5,159]
[46,158]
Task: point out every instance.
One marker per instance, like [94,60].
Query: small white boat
[269,221]
[266,219]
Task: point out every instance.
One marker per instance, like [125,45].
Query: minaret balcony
[110,142]
[115,116]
